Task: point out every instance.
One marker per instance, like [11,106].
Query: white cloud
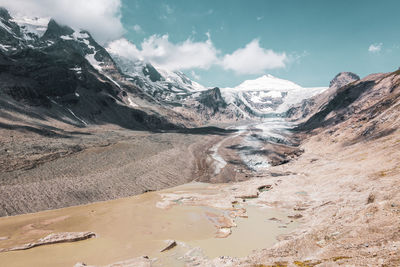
[137,28]
[375,48]
[253,59]
[189,55]
[259,18]
[124,48]
[161,52]
[100,17]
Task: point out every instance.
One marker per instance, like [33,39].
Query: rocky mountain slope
[165,86]
[369,107]
[307,107]
[63,73]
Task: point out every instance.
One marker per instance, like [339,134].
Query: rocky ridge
[342,79]
[65,74]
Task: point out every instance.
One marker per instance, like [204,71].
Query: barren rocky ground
[46,168]
[337,182]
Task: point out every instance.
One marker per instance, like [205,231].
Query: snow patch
[79,119]
[5,47]
[96,64]
[78,70]
[114,82]
[131,103]
[70,111]
[8,29]
[37,26]
[66,37]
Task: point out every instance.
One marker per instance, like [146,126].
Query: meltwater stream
[255,136]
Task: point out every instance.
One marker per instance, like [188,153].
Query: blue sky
[320,38]
[222,43]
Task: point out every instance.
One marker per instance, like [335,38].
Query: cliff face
[212,100]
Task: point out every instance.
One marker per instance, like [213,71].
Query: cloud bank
[158,50]
[161,52]
[100,17]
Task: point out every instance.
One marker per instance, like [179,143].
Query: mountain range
[65,74]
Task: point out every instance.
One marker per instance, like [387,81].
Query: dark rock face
[55,72]
[304,109]
[212,99]
[343,79]
[153,74]
[55,30]
[4,13]
[10,33]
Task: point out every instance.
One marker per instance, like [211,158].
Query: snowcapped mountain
[63,73]
[32,28]
[267,83]
[262,97]
[267,96]
[163,85]
[65,69]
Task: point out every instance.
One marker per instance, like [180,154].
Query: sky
[222,43]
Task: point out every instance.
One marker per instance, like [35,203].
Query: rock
[242,213]
[296,216]
[264,188]
[342,79]
[170,244]
[223,232]
[136,262]
[371,198]
[220,221]
[212,100]
[275,219]
[54,239]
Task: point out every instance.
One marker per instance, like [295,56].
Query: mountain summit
[267,82]
[343,79]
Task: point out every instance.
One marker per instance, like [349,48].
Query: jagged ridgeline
[65,74]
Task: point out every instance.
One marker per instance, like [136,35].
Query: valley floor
[46,168]
[335,204]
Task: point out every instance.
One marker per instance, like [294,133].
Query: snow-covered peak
[151,76]
[267,82]
[179,77]
[35,25]
[268,95]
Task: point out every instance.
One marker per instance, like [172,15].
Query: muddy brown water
[132,227]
